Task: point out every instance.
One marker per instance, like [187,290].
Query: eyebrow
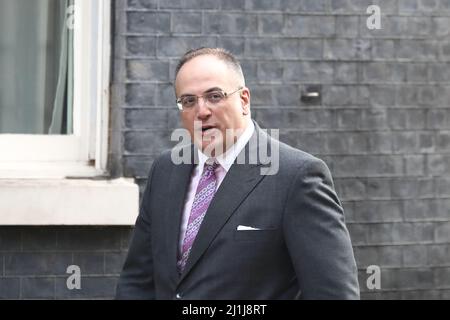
[207,91]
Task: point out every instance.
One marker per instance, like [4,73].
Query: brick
[91,287]
[380,142]
[348,118]
[423,210]
[414,278]
[25,263]
[142,4]
[10,239]
[351,188]
[442,277]
[343,95]
[443,141]
[146,118]
[39,239]
[383,49]
[189,4]
[288,95]
[419,27]
[176,46]
[441,26]
[306,5]
[378,211]
[384,72]
[308,141]
[233,4]
[173,119]
[141,46]
[439,72]
[308,72]
[438,164]
[262,95]
[387,256]
[415,255]
[442,232]
[231,23]
[235,45]
[374,119]
[408,6]
[264,5]
[270,71]
[415,165]
[405,142]
[417,72]
[309,26]
[310,49]
[272,48]
[147,70]
[444,51]
[345,72]
[114,262]
[347,26]
[343,142]
[410,232]
[38,288]
[147,142]
[406,118]
[148,22]
[271,24]
[407,95]
[430,5]
[137,166]
[346,49]
[165,96]
[415,50]
[442,186]
[382,95]
[438,254]
[91,238]
[392,27]
[186,22]
[9,288]
[420,295]
[359,233]
[126,232]
[378,188]
[404,188]
[140,94]
[90,262]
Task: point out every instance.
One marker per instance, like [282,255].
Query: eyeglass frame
[225,94]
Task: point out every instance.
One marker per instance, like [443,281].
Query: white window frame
[35,179]
[83,153]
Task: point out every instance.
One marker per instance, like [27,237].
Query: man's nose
[202,108]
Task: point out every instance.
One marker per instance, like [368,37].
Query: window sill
[68,202]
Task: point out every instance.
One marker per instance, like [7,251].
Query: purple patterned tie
[203,196]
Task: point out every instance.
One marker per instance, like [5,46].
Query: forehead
[202,73]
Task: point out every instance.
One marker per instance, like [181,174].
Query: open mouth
[206,129]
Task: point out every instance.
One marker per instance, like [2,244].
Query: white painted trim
[68,202]
[91,92]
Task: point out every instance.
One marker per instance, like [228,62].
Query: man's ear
[245,100]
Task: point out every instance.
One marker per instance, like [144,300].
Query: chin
[212,149]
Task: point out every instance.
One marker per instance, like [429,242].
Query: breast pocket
[256,235]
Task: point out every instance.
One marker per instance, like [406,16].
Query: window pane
[36,67]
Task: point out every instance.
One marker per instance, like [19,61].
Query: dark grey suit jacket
[302,249]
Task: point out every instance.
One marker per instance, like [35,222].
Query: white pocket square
[244,228]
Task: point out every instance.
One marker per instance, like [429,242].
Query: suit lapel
[239,182]
[178,185]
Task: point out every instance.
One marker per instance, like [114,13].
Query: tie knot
[211,166]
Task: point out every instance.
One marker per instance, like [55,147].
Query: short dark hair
[220,53]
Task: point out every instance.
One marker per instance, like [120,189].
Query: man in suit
[218,228]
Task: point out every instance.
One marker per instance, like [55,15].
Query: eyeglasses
[212,98]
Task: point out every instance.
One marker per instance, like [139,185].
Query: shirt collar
[227,159]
